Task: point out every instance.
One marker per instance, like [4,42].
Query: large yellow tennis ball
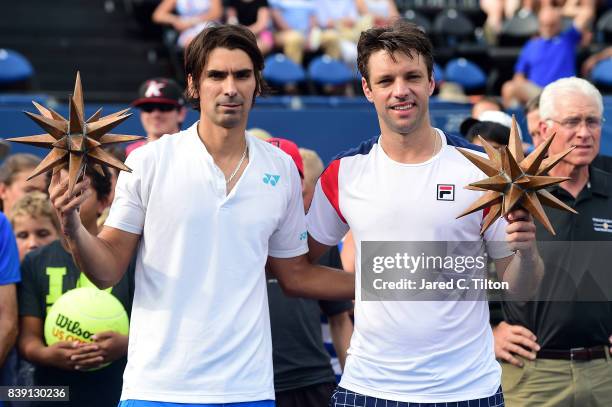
[83,312]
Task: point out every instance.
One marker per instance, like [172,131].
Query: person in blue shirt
[9,276]
[548,57]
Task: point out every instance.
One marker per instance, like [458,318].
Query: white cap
[499,117]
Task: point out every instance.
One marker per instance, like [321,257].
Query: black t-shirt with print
[47,273]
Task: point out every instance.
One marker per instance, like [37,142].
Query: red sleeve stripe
[329,184]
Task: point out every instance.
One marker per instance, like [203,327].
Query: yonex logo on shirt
[303,235]
[446,192]
[271,179]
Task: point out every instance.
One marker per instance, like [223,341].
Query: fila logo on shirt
[446,192]
[271,179]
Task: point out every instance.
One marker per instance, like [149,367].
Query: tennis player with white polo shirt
[407,185]
[204,210]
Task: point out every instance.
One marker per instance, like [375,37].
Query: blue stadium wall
[328,126]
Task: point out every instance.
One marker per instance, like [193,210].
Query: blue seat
[451,27]
[438,73]
[602,73]
[465,73]
[14,67]
[519,29]
[324,70]
[417,19]
[280,70]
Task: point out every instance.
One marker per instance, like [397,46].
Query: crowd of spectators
[563,44]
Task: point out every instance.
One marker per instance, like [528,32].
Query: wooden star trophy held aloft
[76,142]
[515,180]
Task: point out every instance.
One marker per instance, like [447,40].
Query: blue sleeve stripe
[458,141]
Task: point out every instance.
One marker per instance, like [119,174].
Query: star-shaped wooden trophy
[76,142]
[515,180]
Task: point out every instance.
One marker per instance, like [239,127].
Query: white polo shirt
[200,328]
[410,351]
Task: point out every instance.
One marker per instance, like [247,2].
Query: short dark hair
[222,36]
[101,184]
[490,131]
[401,36]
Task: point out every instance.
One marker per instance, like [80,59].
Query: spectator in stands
[254,14]
[162,109]
[495,134]
[47,274]
[188,17]
[490,131]
[14,172]
[296,25]
[313,168]
[571,8]
[379,12]
[341,25]
[9,276]
[485,104]
[548,57]
[497,11]
[532,114]
[34,222]
[303,376]
[591,61]
[557,351]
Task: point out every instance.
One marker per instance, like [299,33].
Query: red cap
[290,148]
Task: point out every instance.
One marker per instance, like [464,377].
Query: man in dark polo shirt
[557,348]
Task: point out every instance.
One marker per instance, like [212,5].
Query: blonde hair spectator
[313,165]
[34,222]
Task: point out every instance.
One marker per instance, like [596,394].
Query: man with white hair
[557,352]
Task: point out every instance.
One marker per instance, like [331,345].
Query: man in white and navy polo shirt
[407,185]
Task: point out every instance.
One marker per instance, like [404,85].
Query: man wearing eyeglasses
[557,348]
[162,109]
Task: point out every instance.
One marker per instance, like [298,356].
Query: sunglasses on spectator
[162,107]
